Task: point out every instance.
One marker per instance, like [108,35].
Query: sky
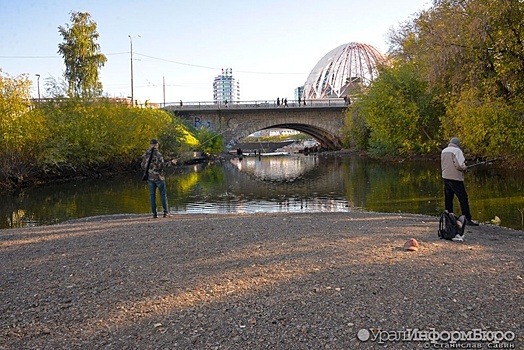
[179,47]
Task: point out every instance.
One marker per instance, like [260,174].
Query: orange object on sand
[411,244]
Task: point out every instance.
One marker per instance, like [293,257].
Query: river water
[295,183]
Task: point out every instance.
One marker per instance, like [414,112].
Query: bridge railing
[202,105]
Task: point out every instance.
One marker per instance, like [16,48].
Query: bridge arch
[324,137]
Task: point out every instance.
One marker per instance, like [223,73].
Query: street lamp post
[132,92]
[38,85]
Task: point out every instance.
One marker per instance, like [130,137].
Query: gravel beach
[258,281]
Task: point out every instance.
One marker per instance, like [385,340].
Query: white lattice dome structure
[349,66]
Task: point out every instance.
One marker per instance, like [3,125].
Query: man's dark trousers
[457,188]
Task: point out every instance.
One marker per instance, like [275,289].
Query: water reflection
[265,184]
[275,184]
[279,168]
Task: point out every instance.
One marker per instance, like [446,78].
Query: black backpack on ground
[450,225]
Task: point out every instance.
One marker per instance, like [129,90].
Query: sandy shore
[260,281]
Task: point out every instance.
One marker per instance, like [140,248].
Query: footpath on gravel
[260,281]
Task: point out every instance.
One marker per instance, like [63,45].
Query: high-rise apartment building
[299,92]
[226,88]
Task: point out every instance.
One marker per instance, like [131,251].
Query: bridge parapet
[211,105]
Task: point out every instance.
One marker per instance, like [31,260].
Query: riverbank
[261,281]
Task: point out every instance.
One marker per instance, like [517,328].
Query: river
[294,183]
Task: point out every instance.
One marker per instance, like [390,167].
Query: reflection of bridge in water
[253,185]
[305,173]
[323,119]
[276,169]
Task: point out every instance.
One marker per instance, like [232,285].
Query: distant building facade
[299,93]
[226,88]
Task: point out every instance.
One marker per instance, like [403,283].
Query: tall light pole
[132,91]
[38,85]
[132,85]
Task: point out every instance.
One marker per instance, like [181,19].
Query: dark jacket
[156,169]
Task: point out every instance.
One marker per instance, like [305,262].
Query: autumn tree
[463,43]
[401,115]
[14,103]
[82,56]
[20,133]
[471,55]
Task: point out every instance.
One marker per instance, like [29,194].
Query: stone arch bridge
[323,119]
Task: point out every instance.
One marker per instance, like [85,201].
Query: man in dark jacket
[156,178]
[453,165]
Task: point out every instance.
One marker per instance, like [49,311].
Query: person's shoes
[167,215]
[458,238]
[155,216]
[471,223]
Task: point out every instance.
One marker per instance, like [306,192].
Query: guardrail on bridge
[327,102]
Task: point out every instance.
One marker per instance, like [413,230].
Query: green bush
[72,137]
[357,131]
[90,134]
[20,131]
[488,126]
[397,116]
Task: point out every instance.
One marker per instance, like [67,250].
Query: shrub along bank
[76,138]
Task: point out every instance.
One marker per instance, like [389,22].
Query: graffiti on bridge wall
[198,123]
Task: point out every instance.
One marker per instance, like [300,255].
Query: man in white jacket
[453,165]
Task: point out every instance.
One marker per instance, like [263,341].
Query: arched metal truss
[345,68]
